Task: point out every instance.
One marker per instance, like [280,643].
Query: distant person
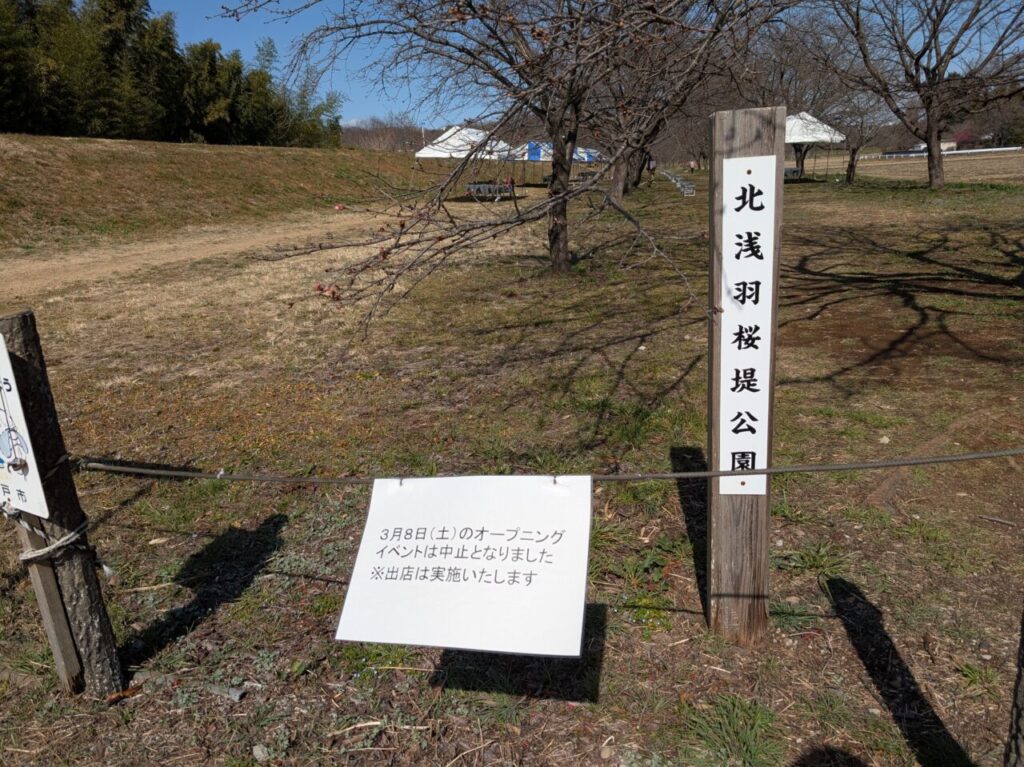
[652,166]
[693,166]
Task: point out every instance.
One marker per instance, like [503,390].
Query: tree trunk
[1015,745]
[619,180]
[800,154]
[558,215]
[628,173]
[851,165]
[936,176]
[637,165]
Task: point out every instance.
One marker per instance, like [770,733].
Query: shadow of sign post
[218,574]
[921,727]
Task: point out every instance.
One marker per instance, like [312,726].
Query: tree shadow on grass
[921,727]
[218,574]
[939,288]
[570,679]
[827,756]
[1015,743]
[693,497]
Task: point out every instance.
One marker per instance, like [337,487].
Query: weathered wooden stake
[75,618]
[742,221]
[55,620]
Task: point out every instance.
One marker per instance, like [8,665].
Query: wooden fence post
[76,620]
[745,216]
[55,619]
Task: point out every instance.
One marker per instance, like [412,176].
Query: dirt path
[31,276]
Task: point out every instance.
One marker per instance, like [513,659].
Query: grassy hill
[66,191]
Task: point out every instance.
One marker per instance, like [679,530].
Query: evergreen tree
[19,87]
[108,68]
[76,87]
[118,23]
[312,122]
[158,72]
[212,86]
[262,110]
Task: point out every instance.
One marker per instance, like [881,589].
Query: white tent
[457,142]
[804,129]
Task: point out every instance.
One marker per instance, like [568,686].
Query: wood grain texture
[55,620]
[75,570]
[738,565]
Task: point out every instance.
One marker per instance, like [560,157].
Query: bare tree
[815,68]
[542,60]
[934,61]
[787,66]
[652,81]
[859,116]
[394,133]
[686,137]
[1002,124]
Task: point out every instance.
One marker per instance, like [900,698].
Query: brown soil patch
[49,271]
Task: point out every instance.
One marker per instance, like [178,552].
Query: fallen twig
[997,520]
[336,733]
[469,751]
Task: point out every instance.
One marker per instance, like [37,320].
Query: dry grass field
[968,169]
[896,598]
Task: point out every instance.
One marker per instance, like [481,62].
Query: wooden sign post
[64,579]
[746,214]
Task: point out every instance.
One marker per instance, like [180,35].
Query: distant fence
[919,153]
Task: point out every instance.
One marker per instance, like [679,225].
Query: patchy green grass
[729,731]
[783,510]
[818,559]
[650,610]
[792,617]
[984,677]
[869,517]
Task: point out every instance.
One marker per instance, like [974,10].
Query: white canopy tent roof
[802,128]
[457,142]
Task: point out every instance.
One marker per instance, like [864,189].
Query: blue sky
[197,20]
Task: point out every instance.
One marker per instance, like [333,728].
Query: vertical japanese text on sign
[747,299]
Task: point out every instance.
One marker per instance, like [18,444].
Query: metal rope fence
[144,470]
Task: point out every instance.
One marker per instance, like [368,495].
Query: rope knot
[53,550]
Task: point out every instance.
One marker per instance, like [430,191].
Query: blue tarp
[541,150]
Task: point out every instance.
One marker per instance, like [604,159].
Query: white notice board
[497,564]
[747,297]
[20,483]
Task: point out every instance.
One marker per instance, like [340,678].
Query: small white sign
[20,482]
[747,297]
[497,564]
